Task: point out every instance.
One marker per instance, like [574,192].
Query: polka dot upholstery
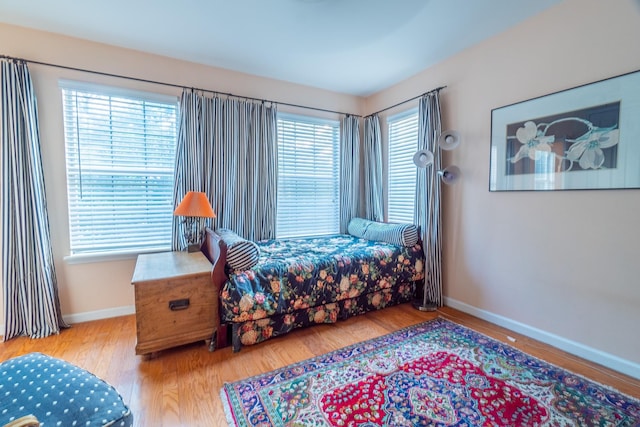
[58,393]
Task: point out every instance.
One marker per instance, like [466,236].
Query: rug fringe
[226,405]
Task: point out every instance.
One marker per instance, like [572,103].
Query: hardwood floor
[180,387]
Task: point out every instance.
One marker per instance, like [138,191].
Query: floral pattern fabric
[433,374]
[256,331]
[299,282]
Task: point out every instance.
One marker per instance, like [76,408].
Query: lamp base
[193,247]
[422,306]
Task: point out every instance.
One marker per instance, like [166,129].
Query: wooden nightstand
[175,300]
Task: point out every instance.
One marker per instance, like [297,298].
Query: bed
[300,282]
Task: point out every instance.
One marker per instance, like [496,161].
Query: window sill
[110,256]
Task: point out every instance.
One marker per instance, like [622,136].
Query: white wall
[102,289]
[565,262]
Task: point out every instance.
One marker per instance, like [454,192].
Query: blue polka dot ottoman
[58,393]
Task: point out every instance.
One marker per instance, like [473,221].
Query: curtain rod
[438,89]
[47,64]
[65,67]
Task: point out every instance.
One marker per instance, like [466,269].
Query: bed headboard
[214,248]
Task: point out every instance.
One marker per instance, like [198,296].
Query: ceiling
[357,47]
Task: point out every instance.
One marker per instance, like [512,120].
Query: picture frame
[586,137]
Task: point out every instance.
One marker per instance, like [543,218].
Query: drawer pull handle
[179,304]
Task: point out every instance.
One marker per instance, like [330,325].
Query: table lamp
[194,207]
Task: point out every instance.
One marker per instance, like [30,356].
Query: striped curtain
[427,207]
[31,302]
[349,170]
[191,151]
[227,149]
[372,186]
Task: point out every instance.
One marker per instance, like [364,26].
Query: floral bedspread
[295,274]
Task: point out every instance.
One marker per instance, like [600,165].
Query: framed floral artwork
[587,137]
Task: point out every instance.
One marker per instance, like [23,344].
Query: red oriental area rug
[437,373]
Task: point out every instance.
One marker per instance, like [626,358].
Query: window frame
[154,100]
[400,159]
[335,131]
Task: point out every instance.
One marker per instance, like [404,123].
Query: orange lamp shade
[195,203]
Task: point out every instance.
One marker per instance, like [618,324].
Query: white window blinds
[403,143]
[120,151]
[308,176]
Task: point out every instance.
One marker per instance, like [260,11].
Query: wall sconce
[447,141]
[194,207]
[450,174]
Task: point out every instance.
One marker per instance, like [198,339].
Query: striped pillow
[396,234]
[242,254]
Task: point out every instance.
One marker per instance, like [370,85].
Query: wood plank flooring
[180,387]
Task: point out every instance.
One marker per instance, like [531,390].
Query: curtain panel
[191,152]
[31,302]
[428,186]
[372,185]
[227,149]
[349,170]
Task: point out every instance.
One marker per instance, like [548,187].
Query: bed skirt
[256,331]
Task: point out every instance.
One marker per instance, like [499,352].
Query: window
[120,150]
[308,176]
[403,143]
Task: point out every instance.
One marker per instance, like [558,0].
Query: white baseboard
[94,315]
[619,364]
[99,314]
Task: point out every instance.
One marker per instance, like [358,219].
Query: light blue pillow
[396,234]
[242,254]
[358,226]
